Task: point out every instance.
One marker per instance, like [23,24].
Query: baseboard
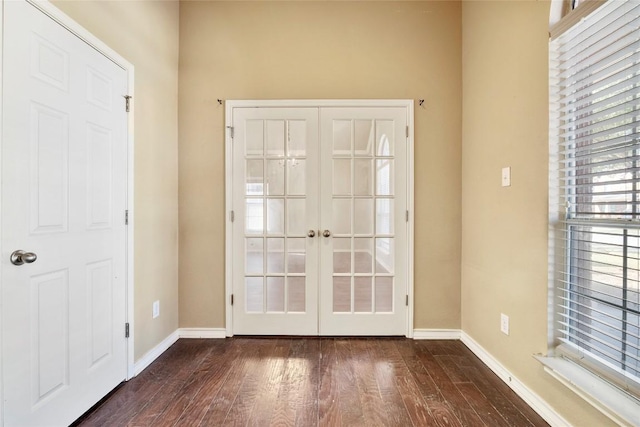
[146,360]
[436,334]
[532,399]
[217,333]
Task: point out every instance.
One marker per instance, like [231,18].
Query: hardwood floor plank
[349,401]
[214,373]
[427,386]
[307,413]
[262,411]
[507,409]
[127,402]
[240,411]
[288,381]
[451,365]
[386,363]
[223,401]
[174,384]
[488,381]
[183,398]
[481,405]
[370,398]
[454,399]
[328,395]
[289,399]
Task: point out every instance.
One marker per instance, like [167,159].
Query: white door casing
[66,158]
[365,219]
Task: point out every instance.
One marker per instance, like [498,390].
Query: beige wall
[146,34]
[320,50]
[504,230]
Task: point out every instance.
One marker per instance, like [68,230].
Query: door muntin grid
[363,199]
[275,204]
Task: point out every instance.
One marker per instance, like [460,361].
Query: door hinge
[231,299]
[126,217]
[232,216]
[126,330]
[127,102]
[407,131]
[407,216]
[406,302]
[230,131]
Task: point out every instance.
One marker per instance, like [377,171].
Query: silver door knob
[326,233]
[311,233]
[20,257]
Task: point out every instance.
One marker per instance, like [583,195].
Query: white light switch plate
[506,176]
[156,309]
[504,323]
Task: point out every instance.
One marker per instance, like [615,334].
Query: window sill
[615,403]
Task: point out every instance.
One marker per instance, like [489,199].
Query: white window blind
[595,189]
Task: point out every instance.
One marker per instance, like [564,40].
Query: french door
[319,225]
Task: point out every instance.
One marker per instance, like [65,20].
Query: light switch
[506,176]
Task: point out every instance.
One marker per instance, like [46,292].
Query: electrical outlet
[504,323]
[156,309]
[506,176]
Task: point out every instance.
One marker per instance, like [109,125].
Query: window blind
[595,188]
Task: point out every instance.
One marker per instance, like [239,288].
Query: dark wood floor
[316,381]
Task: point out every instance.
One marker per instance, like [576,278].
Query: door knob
[326,233]
[20,257]
[311,233]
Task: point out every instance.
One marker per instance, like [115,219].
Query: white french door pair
[319,220]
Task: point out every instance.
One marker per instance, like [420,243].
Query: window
[595,191]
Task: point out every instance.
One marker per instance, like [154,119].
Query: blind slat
[599,320]
[606,338]
[593,23]
[625,47]
[578,107]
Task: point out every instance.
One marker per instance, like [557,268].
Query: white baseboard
[532,399]
[146,360]
[436,334]
[216,333]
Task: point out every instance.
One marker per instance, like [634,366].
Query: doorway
[319,226]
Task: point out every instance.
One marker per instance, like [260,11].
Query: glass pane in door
[363,202]
[275,216]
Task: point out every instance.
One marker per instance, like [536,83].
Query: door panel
[363,199]
[275,206]
[63,197]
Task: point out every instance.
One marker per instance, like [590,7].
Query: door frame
[83,34]
[408,104]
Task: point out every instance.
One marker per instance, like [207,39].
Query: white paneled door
[64,169]
[319,224]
